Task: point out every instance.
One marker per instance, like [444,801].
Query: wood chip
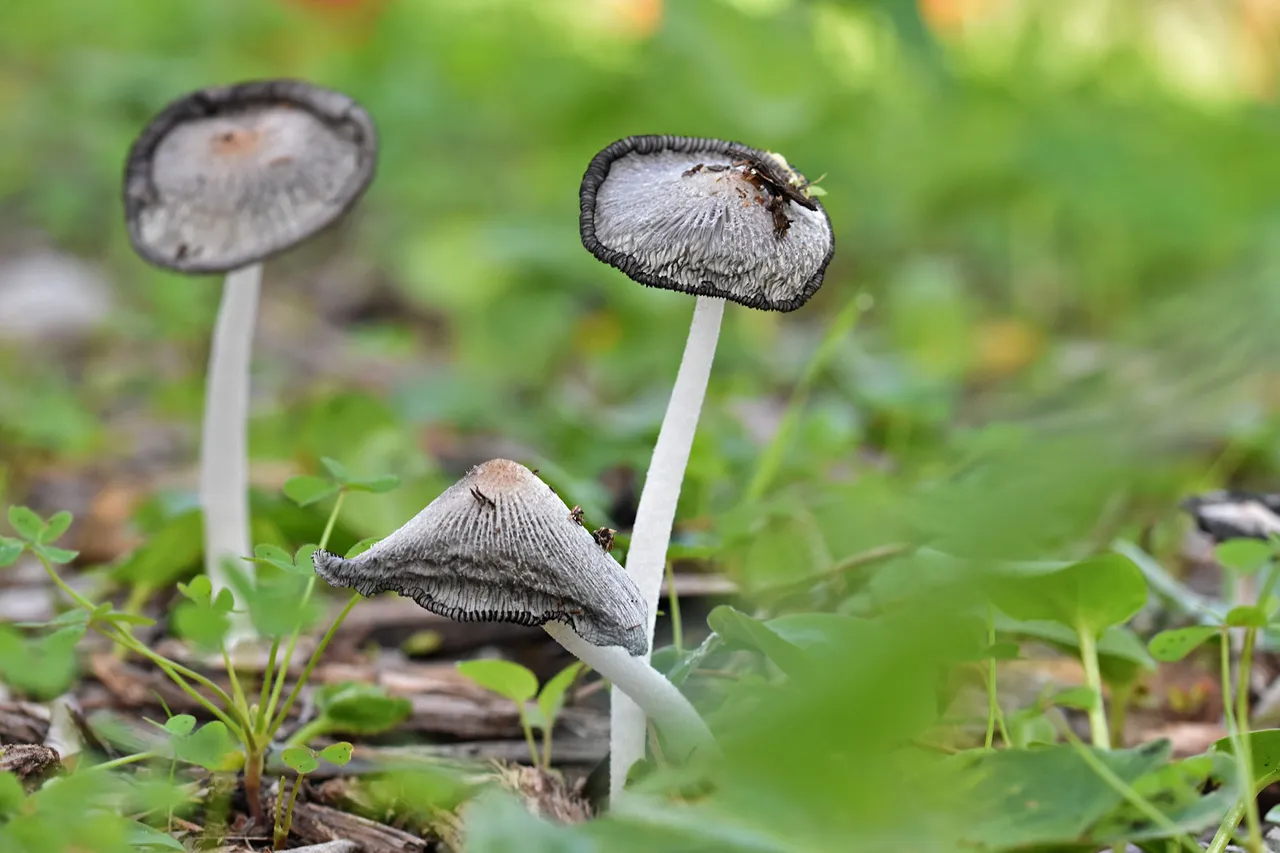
[30,762]
[319,824]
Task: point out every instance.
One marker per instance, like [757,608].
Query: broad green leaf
[1243,556]
[300,759]
[278,607]
[337,753]
[551,698]
[200,590]
[11,794]
[1176,644]
[10,550]
[143,837]
[365,709]
[274,555]
[1090,595]
[336,470]
[306,490]
[1001,651]
[1176,789]
[41,667]
[1083,698]
[57,556]
[1049,796]
[209,746]
[1117,646]
[377,485]
[168,554]
[55,527]
[25,523]
[1264,748]
[502,677]
[740,629]
[1246,616]
[181,725]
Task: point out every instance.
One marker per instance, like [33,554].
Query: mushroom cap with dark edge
[707,217]
[1235,515]
[500,546]
[227,176]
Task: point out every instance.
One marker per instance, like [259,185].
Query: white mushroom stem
[224,479]
[647,557]
[657,697]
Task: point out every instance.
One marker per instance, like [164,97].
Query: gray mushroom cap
[227,176]
[500,546]
[706,217]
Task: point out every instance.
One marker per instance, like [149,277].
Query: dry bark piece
[30,762]
[707,217]
[229,175]
[500,546]
[23,722]
[317,824]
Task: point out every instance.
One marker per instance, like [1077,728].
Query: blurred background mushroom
[219,181]
[721,221]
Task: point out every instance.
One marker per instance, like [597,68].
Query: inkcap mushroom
[219,181]
[722,221]
[500,546]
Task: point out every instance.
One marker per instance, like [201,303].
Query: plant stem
[315,658]
[268,676]
[1227,828]
[1242,728]
[993,702]
[677,628]
[237,693]
[283,674]
[224,478]
[1244,760]
[124,760]
[546,745]
[79,599]
[1093,678]
[528,736]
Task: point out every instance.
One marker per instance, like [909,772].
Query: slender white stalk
[683,729]
[224,478]
[647,558]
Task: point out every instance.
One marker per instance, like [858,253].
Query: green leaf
[305,491]
[139,836]
[202,619]
[1001,651]
[502,677]
[169,553]
[11,794]
[336,470]
[1174,645]
[55,527]
[209,746]
[551,697]
[1176,790]
[1246,616]
[1243,556]
[377,485]
[273,555]
[10,550]
[337,753]
[55,555]
[181,725]
[1090,595]
[1083,698]
[1047,796]
[742,630]
[26,523]
[300,759]
[1264,747]
[200,590]
[364,709]
[40,667]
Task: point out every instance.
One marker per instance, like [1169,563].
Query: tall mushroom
[219,181]
[722,221]
[500,546]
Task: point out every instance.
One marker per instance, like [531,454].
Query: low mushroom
[722,221]
[220,180]
[500,546]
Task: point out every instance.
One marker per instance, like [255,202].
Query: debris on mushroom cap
[229,175]
[707,217]
[499,546]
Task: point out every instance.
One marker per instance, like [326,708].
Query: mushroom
[500,546]
[219,181]
[719,220]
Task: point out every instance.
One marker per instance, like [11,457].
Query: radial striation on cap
[227,176]
[707,217]
[500,546]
